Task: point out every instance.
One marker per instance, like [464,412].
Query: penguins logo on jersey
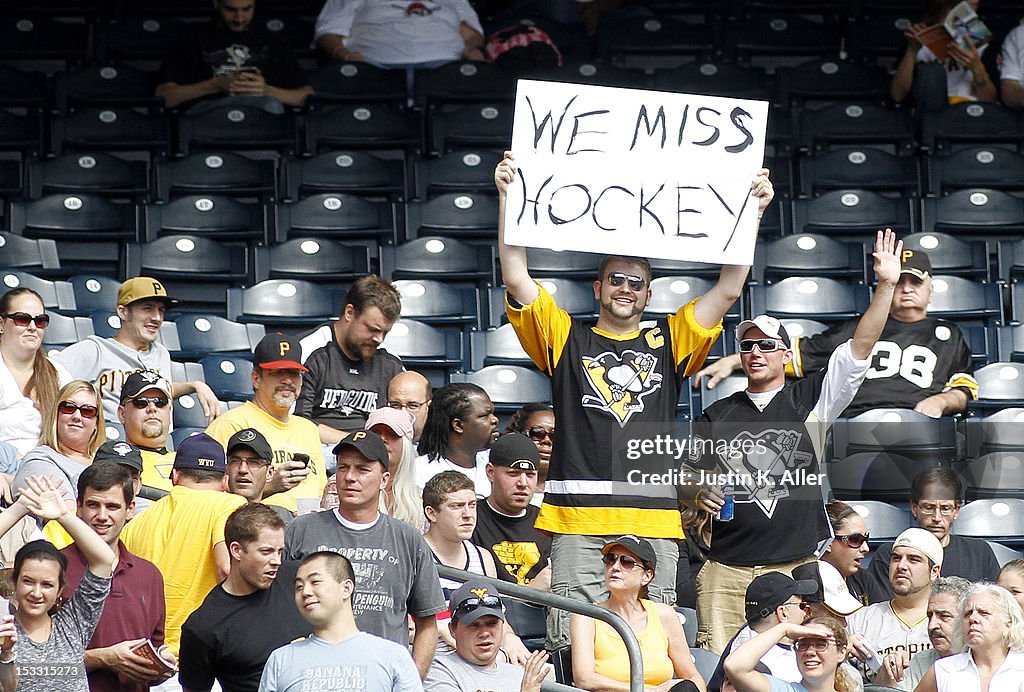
[620,383]
[763,462]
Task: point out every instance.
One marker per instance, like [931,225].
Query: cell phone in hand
[301,458]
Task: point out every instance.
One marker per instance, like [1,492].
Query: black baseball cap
[119,452]
[915,263]
[143,380]
[640,547]
[473,600]
[254,440]
[369,444]
[770,590]
[200,452]
[278,351]
[516,451]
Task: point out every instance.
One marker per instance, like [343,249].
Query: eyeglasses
[636,283]
[538,433]
[249,461]
[411,405]
[627,561]
[854,540]
[68,408]
[763,345]
[471,604]
[798,604]
[819,644]
[141,402]
[21,319]
[946,509]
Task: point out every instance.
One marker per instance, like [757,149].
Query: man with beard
[610,381]
[276,382]
[145,413]
[903,671]
[348,376]
[109,361]
[902,623]
[227,638]
[460,427]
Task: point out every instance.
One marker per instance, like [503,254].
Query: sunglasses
[538,433]
[21,319]
[627,561]
[471,604]
[763,345]
[145,401]
[819,644]
[68,408]
[636,283]
[854,540]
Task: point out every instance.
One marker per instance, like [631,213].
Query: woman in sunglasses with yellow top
[599,660]
[73,429]
[28,380]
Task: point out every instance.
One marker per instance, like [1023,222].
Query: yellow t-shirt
[285,439]
[177,534]
[156,469]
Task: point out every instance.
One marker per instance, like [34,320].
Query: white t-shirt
[1012,64]
[399,33]
[425,470]
[20,420]
[958,79]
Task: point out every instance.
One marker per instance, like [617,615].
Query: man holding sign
[614,385]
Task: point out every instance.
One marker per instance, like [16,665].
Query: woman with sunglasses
[73,429]
[599,660]
[536,421]
[848,547]
[821,645]
[28,379]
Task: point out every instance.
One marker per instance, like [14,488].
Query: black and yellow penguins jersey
[910,362]
[609,392]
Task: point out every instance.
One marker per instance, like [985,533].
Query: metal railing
[522,593]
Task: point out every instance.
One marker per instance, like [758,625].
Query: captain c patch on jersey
[620,383]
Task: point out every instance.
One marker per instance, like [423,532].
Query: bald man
[411,390]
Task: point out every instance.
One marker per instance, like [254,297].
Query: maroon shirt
[135,609]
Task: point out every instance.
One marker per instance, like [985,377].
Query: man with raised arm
[762,446]
[610,382]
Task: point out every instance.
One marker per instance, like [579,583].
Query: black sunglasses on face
[854,540]
[627,561]
[21,319]
[636,283]
[145,401]
[538,433]
[763,345]
[68,408]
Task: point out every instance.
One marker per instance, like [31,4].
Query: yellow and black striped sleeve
[691,341]
[542,327]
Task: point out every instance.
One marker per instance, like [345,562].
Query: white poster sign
[632,172]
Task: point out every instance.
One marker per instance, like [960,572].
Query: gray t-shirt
[108,363]
[395,573]
[451,673]
[59,662]
[47,461]
[361,662]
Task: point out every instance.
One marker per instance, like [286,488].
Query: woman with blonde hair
[73,429]
[990,632]
[821,645]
